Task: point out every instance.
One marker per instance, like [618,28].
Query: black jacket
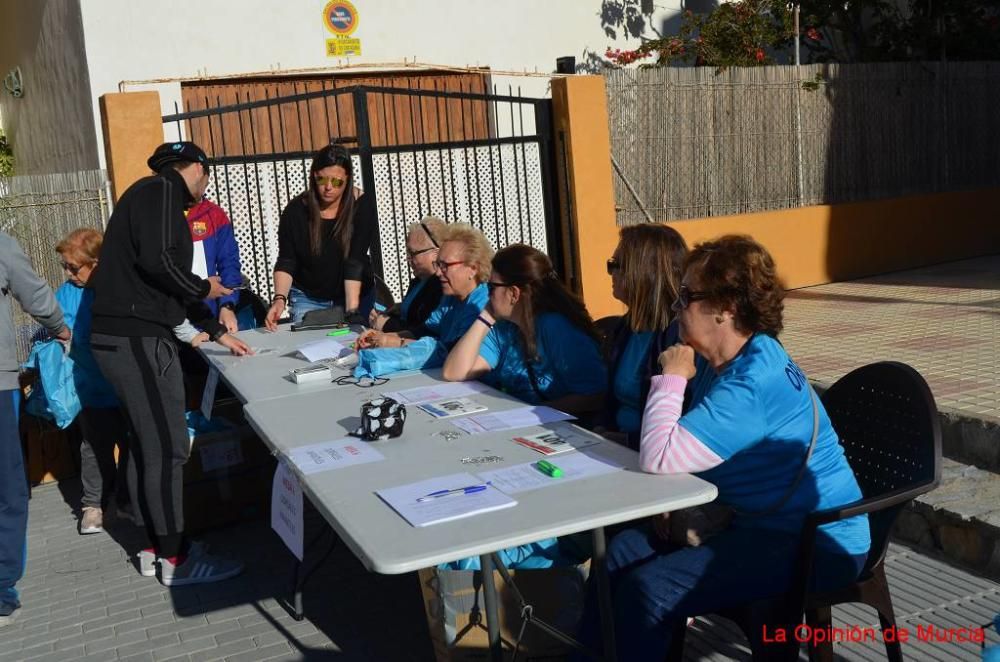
[143,285]
[421,307]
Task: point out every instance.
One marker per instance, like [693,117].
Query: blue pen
[471,489]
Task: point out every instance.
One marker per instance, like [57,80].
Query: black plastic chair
[888,425]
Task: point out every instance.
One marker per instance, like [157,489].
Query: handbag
[693,526]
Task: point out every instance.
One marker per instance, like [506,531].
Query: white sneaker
[92,520]
[198,569]
[147,558]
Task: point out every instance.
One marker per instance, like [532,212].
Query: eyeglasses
[613,266]
[72,268]
[429,235]
[360,382]
[412,254]
[335,182]
[685,296]
[492,286]
[444,266]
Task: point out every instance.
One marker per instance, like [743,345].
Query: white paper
[452,407]
[523,417]
[221,454]
[523,477]
[327,348]
[329,455]
[421,394]
[286,509]
[403,500]
[208,395]
[558,440]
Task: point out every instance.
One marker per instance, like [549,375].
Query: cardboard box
[456,613]
[227,478]
[51,454]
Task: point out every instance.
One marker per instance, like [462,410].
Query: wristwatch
[229,304]
[221,331]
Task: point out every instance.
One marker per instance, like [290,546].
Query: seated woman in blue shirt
[534,340]
[645,272]
[462,267]
[424,291]
[748,431]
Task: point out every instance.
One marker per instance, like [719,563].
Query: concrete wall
[128,40]
[50,127]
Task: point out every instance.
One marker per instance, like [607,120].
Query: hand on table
[199,339]
[273,313]
[369,339]
[236,346]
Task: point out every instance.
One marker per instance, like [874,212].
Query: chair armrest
[865,506]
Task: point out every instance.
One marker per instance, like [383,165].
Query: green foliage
[6,156]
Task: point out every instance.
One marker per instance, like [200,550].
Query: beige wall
[51,126]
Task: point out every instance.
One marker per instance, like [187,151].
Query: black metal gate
[486,159]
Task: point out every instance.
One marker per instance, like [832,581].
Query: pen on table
[549,469]
[471,489]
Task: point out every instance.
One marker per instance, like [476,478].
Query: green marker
[339,332]
[549,469]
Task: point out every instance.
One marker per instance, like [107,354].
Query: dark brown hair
[531,270]
[651,258]
[738,274]
[343,226]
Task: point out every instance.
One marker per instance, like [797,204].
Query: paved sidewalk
[944,320]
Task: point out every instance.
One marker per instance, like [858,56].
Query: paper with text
[560,440]
[329,455]
[524,477]
[453,407]
[327,348]
[511,419]
[415,396]
[286,509]
[403,500]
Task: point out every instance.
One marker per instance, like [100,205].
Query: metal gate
[485,159]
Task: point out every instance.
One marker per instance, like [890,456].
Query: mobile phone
[236,287]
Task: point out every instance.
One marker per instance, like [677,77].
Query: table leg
[492,613]
[598,566]
[294,607]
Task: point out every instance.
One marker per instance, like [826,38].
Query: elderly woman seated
[758,432]
[534,339]
[424,292]
[462,267]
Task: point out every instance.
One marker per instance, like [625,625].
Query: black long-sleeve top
[322,276]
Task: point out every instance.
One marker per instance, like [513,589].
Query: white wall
[143,39]
[50,127]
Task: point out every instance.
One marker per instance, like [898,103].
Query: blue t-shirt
[91,386]
[569,361]
[628,381]
[757,416]
[453,317]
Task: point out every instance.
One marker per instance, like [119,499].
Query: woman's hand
[369,339]
[678,360]
[273,313]
[235,346]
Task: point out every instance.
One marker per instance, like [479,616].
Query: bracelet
[279,296]
[489,325]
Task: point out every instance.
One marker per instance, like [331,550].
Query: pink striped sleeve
[666,447]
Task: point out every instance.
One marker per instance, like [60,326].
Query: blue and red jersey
[215,250]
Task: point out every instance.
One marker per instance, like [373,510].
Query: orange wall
[132,130]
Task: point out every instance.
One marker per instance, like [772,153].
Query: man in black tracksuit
[143,288]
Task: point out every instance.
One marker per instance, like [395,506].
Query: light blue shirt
[91,386]
[628,381]
[569,361]
[757,415]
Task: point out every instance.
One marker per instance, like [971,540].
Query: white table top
[387,544]
[265,376]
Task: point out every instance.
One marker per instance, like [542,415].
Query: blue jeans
[654,584]
[13,503]
[301,303]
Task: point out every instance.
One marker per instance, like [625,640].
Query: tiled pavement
[944,320]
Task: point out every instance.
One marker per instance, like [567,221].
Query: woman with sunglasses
[759,433]
[645,272]
[534,340]
[462,268]
[424,292]
[324,238]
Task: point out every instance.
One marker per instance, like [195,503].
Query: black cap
[178,151]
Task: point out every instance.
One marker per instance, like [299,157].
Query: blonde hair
[432,225]
[476,248]
[652,259]
[82,243]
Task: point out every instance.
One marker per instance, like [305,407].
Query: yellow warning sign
[342,46]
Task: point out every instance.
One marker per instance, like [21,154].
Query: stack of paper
[415,503]
[453,407]
[523,477]
[415,396]
[511,419]
[328,455]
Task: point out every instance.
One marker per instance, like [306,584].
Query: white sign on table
[286,509]
[444,499]
[522,417]
[323,349]
[329,455]
[421,394]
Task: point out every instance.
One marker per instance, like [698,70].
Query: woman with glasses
[101,418]
[462,268]
[645,272]
[759,433]
[424,292]
[324,238]
[534,340]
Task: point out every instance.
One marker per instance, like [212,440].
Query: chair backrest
[888,425]
[383,295]
[605,329]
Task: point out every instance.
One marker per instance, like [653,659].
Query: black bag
[381,418]
[327,318]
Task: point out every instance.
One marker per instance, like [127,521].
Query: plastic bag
[56,399]
[420,354]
